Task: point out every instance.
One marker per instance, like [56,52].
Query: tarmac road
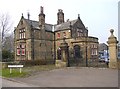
[74,77]
[12,83]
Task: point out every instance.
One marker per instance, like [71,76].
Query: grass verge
[15,73]
[26,71]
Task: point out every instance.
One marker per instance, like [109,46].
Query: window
[17,46]
[22,33]
[58,35]
[24,30]
[18,51]
[20,36]
[23,45]
[92,46]
[94,52]
[95,46]
[21,49]
[64,34]
[79,32]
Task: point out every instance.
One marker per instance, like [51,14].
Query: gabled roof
[103,46]
[66,25]
[35,24]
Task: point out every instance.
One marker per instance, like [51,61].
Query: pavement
[13,83]
[73,77]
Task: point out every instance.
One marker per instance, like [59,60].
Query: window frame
[22,33]
[64,34]
[18,51]
[21,49]
[58,35]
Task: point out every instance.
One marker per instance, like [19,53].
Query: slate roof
[102,46]
[65,25]
[49,27]
[35,24]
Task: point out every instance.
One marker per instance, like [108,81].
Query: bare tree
[5,26]
[6,38]
[9,43]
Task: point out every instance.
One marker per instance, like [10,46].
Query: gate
[75,56]
[78,58]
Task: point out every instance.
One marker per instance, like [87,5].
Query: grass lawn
[15,73]
[26,71]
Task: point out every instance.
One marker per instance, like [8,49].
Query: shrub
[7,56]
[36,62]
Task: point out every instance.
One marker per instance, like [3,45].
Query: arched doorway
[77,53]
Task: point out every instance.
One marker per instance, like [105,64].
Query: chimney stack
[60,16]
[41,17]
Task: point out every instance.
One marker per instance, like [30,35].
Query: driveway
[74,77]
[9,83]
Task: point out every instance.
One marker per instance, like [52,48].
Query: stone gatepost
[113,51]
[64,62]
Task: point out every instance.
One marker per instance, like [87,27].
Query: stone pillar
[113,51]
[64,62]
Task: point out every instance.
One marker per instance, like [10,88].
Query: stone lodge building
[37,40]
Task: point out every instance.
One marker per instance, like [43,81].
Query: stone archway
[77,53]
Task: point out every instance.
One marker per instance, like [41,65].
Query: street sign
[15,66]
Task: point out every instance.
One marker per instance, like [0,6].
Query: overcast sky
[98,15]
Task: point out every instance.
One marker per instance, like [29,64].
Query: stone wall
[92,44]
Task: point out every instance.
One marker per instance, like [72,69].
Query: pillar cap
[111,31]
[112,38]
